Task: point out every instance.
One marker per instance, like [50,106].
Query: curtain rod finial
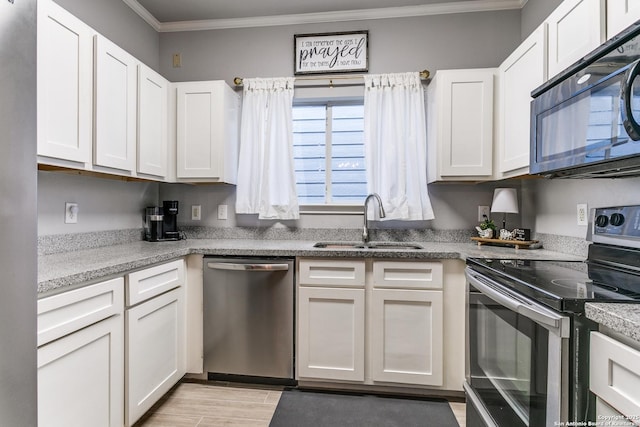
[424,74]
[237,81]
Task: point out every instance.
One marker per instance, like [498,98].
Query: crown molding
[323,17]
[144,14]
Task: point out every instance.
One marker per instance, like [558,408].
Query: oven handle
[555,322]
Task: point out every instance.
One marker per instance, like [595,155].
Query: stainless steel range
[527,350]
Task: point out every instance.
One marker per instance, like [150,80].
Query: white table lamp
[505,200]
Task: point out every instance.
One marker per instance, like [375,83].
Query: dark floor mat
[298,408]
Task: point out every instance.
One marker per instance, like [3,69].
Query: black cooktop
[562,285]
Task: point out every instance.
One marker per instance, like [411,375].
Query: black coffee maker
[161,223]
[170,222]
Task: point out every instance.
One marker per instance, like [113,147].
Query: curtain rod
[424,74]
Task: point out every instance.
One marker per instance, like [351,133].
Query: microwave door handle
[626,97]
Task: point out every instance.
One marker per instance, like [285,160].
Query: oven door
[517,369]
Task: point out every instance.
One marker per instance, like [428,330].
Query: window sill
[331,210]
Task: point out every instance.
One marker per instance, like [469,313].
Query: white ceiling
[185,15]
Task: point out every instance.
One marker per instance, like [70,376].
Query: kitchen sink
[360,245]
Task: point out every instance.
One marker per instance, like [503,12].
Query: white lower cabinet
[155,337]
[406,336]
[80,377]
[377,322]
[81,357]
[331,333]
[155,351]
[614,377]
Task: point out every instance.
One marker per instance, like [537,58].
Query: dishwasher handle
[247,267]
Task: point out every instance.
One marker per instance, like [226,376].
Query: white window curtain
[266,180]
[396,145]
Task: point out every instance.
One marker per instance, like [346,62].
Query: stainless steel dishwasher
[248,319]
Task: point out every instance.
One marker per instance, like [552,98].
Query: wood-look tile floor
[202,404]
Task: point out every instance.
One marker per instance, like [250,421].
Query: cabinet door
[199,119]
[614,373]
[152,122]
[115,116]
[65,85]
[407,336]
[155,359]
[621,14]
[331,333]
[576,27]
[524,70]
[81,377]
[464,141]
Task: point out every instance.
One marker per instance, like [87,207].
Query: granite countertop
[621,318]
[57,272]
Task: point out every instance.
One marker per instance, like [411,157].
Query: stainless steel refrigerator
[18,215]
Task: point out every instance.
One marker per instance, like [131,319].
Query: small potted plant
[486,228]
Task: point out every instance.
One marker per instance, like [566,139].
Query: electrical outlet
[482,211]
[222,211]
[582,215]
[195,212]
[70,213]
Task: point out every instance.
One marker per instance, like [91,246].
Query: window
[329,153]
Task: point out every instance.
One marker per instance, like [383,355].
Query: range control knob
[617,219]
[602,221]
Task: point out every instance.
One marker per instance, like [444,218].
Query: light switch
[177,60]
[195,212]
[222,211]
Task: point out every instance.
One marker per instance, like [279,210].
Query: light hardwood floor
[193,404]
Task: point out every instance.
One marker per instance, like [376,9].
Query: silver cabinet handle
[247,267]
[539,314]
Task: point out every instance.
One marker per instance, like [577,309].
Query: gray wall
[554,201]
[467,40]
[117,22]
[103,204]
[18,262]
[437,42]
[455,208]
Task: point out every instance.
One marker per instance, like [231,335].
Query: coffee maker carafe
[161,222]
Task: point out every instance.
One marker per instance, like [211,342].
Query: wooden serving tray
[517,243]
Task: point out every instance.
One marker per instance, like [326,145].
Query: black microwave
[585,122]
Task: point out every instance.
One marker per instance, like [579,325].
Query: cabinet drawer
[147,283]
[62,314]
[332,272]
[407,275]
[614,371]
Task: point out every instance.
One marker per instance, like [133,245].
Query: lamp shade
[505,200]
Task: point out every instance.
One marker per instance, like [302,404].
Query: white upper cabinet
[523,71]
[115,110]
[460,125]
[207,121]
[152,122]
[576,27]
[621,14]
[65,85]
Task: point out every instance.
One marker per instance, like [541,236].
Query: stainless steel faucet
[365,230]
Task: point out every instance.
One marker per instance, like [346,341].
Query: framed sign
[331,53]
